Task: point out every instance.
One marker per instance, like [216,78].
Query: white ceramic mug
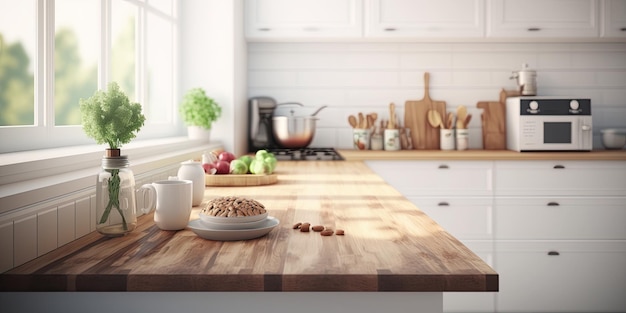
[173,202]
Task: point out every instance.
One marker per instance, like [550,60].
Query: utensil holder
[446,139]
[361,138]
[462,139]
[376,142]
[392,139]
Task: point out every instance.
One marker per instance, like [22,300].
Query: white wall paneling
[24,239]
[47,230]
[66,223]
[6,246]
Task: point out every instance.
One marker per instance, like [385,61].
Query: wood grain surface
[389,245]
[482,155]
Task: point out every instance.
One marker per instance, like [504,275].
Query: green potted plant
[110,118]
[199,111]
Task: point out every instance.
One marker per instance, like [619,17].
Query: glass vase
[115,196]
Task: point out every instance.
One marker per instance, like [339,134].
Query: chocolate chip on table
[339,232]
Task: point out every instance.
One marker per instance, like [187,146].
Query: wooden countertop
[389,245]
[478,155]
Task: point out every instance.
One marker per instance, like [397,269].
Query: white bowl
[614,138]
[210,222]
[231,220]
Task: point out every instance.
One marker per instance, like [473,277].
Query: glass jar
[115,196]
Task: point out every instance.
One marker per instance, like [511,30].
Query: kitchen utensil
[404,141]
[461,113]
[434,119]
[613,138]
[294,131]
[423,135]
[493,125]
[361,120]
[468,118]
[318,110]
[392,116]
[526,80]
[352,120]
[260,129]
[173,202]
[449,120]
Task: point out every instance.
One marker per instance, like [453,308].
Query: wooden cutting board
[423,135]
[233,180]
[493,122]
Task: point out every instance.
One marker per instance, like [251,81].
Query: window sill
[29,177]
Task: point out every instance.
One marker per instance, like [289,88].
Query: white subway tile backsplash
[353,77]
[47,229]
[6,246]
[66,223]
[25,239]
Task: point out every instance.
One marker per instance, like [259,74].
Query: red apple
[226,156]
[222,167]
[209,168]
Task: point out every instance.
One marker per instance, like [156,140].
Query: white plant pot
[196,132]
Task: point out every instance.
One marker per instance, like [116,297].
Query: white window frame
[44,135]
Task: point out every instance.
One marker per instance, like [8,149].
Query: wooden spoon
[461,113]
[434,118]
[361,120]
[449,120]
[352,121]
[468,118]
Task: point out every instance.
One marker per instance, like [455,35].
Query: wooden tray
[232,180]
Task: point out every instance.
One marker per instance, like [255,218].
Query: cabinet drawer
[429,178]
[464,218]
[561,276]
[549,178]
[560,218]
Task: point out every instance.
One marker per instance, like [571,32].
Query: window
[55,52]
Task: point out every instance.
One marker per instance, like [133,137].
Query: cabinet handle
[554,253]
[265,29]
[558,166]
[552,203]
[443,166]
[390,29]
[534,29]
[623,29]
[443,203]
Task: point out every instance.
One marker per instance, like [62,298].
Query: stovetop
[306,154]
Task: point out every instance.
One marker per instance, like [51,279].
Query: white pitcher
[192,170]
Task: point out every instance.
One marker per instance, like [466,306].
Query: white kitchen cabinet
[466,218]
[543,18]
[550,178]
[614,18]
[561,276]
[431,178]
[83,217]
[66,223]
[563,218]
[303,18]
[47,231]
[423,18]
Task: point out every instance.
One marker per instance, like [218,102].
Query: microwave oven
[548,124]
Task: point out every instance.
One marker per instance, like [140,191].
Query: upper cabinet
[304,18]
[614,18]
[543,18]
[425,18]
[442,20]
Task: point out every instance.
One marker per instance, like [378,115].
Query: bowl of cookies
[233,213]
